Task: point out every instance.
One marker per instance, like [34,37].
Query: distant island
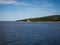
[53,18]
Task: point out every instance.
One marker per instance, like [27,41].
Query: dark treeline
[43,19]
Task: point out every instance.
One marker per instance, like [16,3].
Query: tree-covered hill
[43,19]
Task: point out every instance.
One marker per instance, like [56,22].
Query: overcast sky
[11,10]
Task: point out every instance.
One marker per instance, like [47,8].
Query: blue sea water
[23,33]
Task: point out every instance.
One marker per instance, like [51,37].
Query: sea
[29,33]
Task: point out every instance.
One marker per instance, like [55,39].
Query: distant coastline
[53,18]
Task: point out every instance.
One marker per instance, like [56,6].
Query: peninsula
[52,18]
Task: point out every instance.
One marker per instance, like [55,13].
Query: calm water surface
[22,33]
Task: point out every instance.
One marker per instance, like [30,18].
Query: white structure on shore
[28,20]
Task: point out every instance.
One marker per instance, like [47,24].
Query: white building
[28,20]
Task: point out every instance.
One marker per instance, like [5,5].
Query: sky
[11,10]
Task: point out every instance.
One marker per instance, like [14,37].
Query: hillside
[43,19]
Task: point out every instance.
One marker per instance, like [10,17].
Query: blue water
[23,33]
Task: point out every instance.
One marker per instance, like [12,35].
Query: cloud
[45,3]
[8,1]
[22,3]
[14,2]
[41,11]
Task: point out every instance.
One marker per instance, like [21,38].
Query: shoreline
[41,22]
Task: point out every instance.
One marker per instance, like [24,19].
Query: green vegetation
[43,19]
